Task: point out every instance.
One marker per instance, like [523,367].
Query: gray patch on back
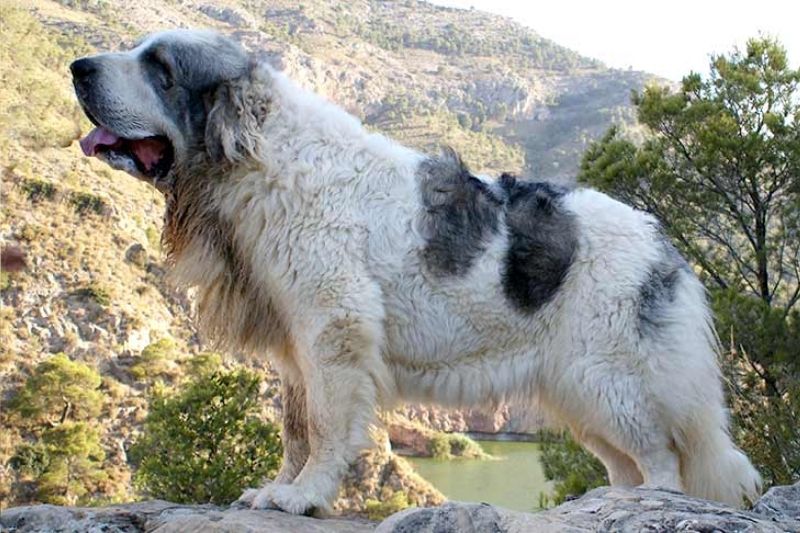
[461,215]
[542,242]
[658,291]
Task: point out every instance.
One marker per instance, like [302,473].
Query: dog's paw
[292,499]
[245,501]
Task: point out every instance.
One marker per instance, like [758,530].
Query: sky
[664,37]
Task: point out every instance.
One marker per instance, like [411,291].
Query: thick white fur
[328,219]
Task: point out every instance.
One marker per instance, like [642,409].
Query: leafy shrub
[439,446]
[573,469]
[155,360]
[37,190]
[64,459]
[87,203]
[59,390]
[450,445]
[94,292]
[378,510]
[205,444]
[204,364]
[73,463]
[463,446]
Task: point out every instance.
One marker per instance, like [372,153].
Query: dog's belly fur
[454,341]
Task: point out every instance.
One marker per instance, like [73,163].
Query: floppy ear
[238,109]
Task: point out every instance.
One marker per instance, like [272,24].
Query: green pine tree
[63,457]
[721,169]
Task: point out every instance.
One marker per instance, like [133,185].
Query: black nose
[83,68]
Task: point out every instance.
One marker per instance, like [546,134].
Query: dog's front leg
[342,373]
[294,433]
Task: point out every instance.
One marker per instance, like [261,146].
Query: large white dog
[372,273]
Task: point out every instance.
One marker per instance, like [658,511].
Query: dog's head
[151,104]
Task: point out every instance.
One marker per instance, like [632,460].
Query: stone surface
[780,502]
[608,509]
[164,517]
[603,509]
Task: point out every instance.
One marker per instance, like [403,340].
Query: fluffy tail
[712,467]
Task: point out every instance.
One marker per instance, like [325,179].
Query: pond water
[513,479]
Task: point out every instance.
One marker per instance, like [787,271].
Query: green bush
[74,464]
[451,445]
[439,446]
[65,464]
[204,364]
[205,443]
[87,203]
[37,190]
[156,360]
[573,469]
[463,446]
[58,390]
[94,292]
[56,405]
[378,510]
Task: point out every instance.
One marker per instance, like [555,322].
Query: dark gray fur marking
[461,215]
[542,242]
[185,74]
[659,289]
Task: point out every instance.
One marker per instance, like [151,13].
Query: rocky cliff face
[603,509]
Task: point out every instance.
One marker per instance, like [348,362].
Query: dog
[372,273]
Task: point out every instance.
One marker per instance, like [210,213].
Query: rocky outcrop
[378,475]
[603,509]
[163,517]
[610,509]
[502,419]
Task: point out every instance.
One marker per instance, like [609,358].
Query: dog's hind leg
[624,428]
[640,435]
[660,466]
[622,470]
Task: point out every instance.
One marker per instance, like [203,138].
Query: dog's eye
[163,71]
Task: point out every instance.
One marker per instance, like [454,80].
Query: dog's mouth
[148,158]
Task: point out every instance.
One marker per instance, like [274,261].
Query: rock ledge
[603,509]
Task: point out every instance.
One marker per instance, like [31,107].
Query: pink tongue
[96,138]
[148,151]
